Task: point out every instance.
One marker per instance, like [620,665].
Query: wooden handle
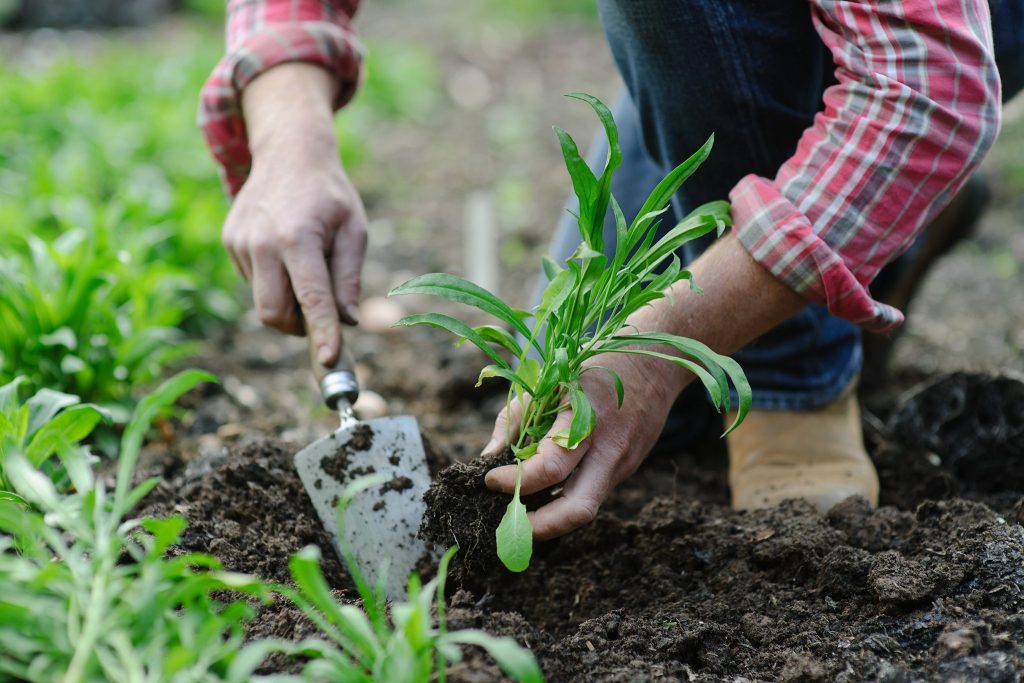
[338,382]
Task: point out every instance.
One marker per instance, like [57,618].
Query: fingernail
[493,447]
[323,354]
[352,313]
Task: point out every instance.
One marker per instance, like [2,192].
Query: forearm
[288,113]
[740,302]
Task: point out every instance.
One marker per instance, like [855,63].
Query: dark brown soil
[248,508]
[669,584]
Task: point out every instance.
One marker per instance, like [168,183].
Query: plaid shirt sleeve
[916,106]
[262,34]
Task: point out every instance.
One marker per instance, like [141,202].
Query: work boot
[816,455]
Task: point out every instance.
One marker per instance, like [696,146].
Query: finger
[506,428]
[551,465]
[579,502]
[563,515]
[236,248]
[347,254]
[272,292]
[311,282]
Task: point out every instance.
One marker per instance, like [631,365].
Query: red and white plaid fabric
[262,34]
[916,107]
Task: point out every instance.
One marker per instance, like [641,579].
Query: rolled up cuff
[220,107]
[782,239]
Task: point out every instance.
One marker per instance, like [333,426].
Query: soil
[668,584]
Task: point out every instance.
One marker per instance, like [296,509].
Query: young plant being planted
[583,313]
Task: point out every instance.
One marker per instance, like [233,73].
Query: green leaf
[464,292]
[77,462]
[551,269]
[166,532]
[584,252]
[496,371]
[555,294]
[9,396]
[527,451]
[514,534]
[63,431]
[44,405]
[501,337]
[62,336]
[664,191]
[584,184]
[250,658]
[30,483]
[514,659]
[620,391]
[357,635]
[147,410]
[583,417]
[456,327]
[608,122]
[529,370]
[709,381]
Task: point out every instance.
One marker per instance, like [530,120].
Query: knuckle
[262,246]
[585,511]
[554,469]
[289,239]
[271,316]
[312,298]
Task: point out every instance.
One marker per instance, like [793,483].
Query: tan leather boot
[816,455]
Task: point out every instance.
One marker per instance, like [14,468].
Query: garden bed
[669,584]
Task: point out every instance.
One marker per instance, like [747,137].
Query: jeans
[756,72]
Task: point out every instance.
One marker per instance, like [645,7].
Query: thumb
[503,433]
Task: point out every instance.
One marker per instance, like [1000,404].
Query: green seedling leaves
[583,417]
[464,292]
[620,391]
[514,534]
[456,327]
[497,371]
[586,311]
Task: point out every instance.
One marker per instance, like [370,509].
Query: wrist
[289,114]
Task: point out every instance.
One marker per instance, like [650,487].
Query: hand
[297,229]
[742,300]
[610,455]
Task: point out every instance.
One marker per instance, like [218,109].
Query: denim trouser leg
[753,72]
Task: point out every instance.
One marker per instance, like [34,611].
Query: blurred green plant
[110,212]
[87,594]
[110,206]
[366,645]
[47,423]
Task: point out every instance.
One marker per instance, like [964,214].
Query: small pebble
[378,314]
[369,405]
[230,430]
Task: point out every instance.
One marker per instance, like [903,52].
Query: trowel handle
[338,382]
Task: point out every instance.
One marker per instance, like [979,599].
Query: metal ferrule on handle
[338,383]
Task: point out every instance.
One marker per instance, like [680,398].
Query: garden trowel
[381,522]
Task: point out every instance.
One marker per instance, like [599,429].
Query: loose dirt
[668,584]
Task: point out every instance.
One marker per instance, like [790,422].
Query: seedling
[583,313]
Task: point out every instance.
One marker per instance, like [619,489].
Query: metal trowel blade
[381,522]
